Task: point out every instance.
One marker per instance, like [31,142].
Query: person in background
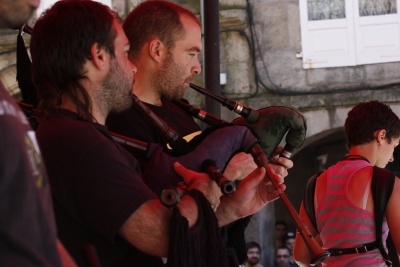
[280,231]
[282,255]
[253,251]
[82,73]
[27,228]
[288,241]
[372,132]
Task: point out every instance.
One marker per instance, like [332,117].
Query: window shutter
[377,31]
[327,35]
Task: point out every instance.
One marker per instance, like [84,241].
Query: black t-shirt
[135,123]
[96,186]
[27,228]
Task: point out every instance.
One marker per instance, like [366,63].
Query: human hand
[258,189]
[252,194]
[239,166]
[200,181]
[280,164]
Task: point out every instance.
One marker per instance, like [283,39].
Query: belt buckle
[362,249]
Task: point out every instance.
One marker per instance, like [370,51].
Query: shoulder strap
[308,198]
[382,187]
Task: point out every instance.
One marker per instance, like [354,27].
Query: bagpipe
[270,123]
[257,132]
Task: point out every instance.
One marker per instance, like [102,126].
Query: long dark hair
[60,45]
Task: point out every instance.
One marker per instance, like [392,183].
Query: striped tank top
[342,224]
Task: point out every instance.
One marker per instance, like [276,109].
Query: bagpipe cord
[199,246]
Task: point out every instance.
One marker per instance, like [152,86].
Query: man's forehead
[282,252]
[120,33]
[191,26]
[187,20]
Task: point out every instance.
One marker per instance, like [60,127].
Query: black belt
[358,250]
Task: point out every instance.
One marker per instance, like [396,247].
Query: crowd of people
[283,252]
[73,196]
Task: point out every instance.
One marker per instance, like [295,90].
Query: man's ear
[98,56]
[157,49]
[380,135]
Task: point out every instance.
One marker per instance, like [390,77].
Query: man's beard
[114,95]
[168,81]
[253,260]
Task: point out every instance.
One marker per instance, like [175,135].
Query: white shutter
[377,36]
[327,42]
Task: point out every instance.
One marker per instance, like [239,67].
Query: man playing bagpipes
[165,45]
[81,71]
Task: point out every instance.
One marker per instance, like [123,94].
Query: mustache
[189,79]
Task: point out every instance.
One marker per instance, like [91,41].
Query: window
[349,32]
